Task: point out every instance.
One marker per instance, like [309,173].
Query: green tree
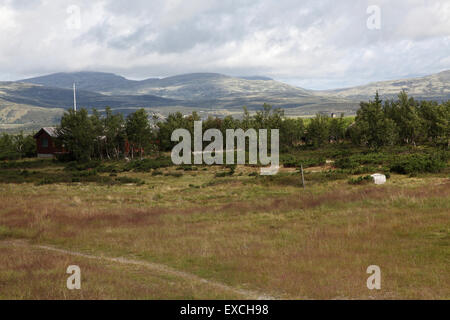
[292,132]
[99,129]
[372,126]
[138,131]
[115,133]
[318,131]
[77,134]
[337,128]
[436,121]
[174,121]
[407,119]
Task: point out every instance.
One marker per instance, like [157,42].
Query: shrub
[46,180]
[64,157]
[146,165]
[10,155]
[289,161]
[174,174]
[420,163]
[25,164]
[231,167]
[82,166]
[325,176]
[222,174]
[361,180]
[363,170]
[283,179]
[85,173]
[129,180]
[157,197]
[346,163]
[109,168]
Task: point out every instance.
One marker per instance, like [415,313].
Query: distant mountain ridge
[85,80]
[436,87]
[190,86]
[204,90]
[104,82]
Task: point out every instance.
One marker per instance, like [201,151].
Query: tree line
[13,147]
[403,121]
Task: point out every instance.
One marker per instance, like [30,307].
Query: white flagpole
[74,98]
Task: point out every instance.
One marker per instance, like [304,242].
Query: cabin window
[44,143]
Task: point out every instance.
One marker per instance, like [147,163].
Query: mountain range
[433,87]
[34,102]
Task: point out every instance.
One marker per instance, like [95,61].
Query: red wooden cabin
[45,143]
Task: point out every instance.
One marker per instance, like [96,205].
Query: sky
[315,44]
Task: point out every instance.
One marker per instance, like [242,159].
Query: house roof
[51,131]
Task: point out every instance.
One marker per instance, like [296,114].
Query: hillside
[436,87]
[202,90]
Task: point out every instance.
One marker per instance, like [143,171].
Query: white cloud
[317,44]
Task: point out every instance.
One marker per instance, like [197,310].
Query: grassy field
[267,236]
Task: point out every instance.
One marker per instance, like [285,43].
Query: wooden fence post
[303,177]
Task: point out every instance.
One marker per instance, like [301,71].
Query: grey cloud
[318,43]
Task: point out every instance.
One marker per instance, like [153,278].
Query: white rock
[379,178]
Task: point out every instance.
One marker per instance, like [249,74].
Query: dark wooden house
[45,143]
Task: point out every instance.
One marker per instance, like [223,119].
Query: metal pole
[74,98]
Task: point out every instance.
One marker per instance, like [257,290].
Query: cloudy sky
[315,44]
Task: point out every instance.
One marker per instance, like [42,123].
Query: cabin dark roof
[51,131]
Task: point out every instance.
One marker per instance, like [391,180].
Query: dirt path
[246,294]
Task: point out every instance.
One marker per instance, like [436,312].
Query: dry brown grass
[30,273]
[282,240]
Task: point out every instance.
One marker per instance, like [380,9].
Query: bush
[128,180]
[282,179]
[289,161]
[157,197]
[82,166]
[10,155]
[174,174]
[325,176]
[85,173]
[146,165]
[363,170]
[64,157]
[420,163]
[157,173]
[112,168]
[361,180]
[232,168]
[187,168]
[222,174]
[346,163]
[25,164]
[47,180]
